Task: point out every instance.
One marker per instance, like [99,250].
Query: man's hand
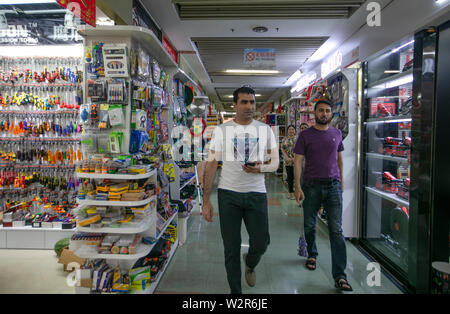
[207,210]
[253,169]
[299,195]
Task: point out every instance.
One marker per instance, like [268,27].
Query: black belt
[323,181]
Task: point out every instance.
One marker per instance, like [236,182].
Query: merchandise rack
[116,176]
[132,36]
[63,89]
[152,287]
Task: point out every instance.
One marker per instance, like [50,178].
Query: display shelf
[187,182]
[144,36]
[387,157]
[166,224]
[144,225]
[390,119]
[30,228]
[141,251]
[181,75]
[116,176]
[391,78]
[152,287]
[388,196]
[115,203]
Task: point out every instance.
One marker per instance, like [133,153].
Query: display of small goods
[101,277]
[40,134]
[128,191]
[96,217]
[26,209]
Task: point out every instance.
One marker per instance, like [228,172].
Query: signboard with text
[260,58]
[31,30]
[169,48]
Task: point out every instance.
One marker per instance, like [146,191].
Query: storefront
[402,225]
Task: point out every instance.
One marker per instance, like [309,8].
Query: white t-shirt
[235,144]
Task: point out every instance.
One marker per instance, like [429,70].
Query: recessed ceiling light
[260,29]
[252,71]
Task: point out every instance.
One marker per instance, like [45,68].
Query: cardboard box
[46,224]
[19,223]
[68,225]
[68,257]
[57,225]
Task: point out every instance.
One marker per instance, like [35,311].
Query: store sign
[37,32]
[303,82]
[169,48]
[260,58]
[331,64]
[84,9]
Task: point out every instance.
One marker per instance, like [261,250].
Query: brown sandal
[311,263]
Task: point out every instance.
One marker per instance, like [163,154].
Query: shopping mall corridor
[198,265]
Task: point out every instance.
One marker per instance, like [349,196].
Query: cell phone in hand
[252,164]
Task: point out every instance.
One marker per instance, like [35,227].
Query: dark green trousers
[233,208]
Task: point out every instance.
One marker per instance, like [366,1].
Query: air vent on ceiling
[266,9]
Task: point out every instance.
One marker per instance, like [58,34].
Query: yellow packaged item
[89,220]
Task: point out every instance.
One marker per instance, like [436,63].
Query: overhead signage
[260,58]
[84,9]
[303,82]
[169,48]
[31,30]
[331,64]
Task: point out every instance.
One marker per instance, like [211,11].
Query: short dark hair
[291,126]
[303,124]
[242,90]
[323,101]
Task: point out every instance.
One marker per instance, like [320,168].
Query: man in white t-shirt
[242,145]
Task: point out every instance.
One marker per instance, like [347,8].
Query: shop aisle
[198,265]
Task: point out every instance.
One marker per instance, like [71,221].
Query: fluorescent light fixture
[440,1]
[392,71]
[390,121]
[42,51]
[27,1]
[294,77]
[402,46]
[398,82]
[104,21]
[252,71]
[256,95]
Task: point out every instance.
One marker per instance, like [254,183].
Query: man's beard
[322,122]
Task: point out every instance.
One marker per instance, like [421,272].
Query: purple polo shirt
[320,149]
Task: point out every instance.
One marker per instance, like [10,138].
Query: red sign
[169,48]
[84,9]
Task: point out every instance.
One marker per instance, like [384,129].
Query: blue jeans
[330,195]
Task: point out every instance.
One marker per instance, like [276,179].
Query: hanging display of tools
[56,70]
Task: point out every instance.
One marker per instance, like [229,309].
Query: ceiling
[219,54]
[211,43]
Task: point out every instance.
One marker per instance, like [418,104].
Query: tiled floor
[198,265]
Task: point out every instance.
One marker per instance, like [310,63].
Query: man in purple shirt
[321,147]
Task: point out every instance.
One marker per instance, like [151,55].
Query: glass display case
[386,152]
